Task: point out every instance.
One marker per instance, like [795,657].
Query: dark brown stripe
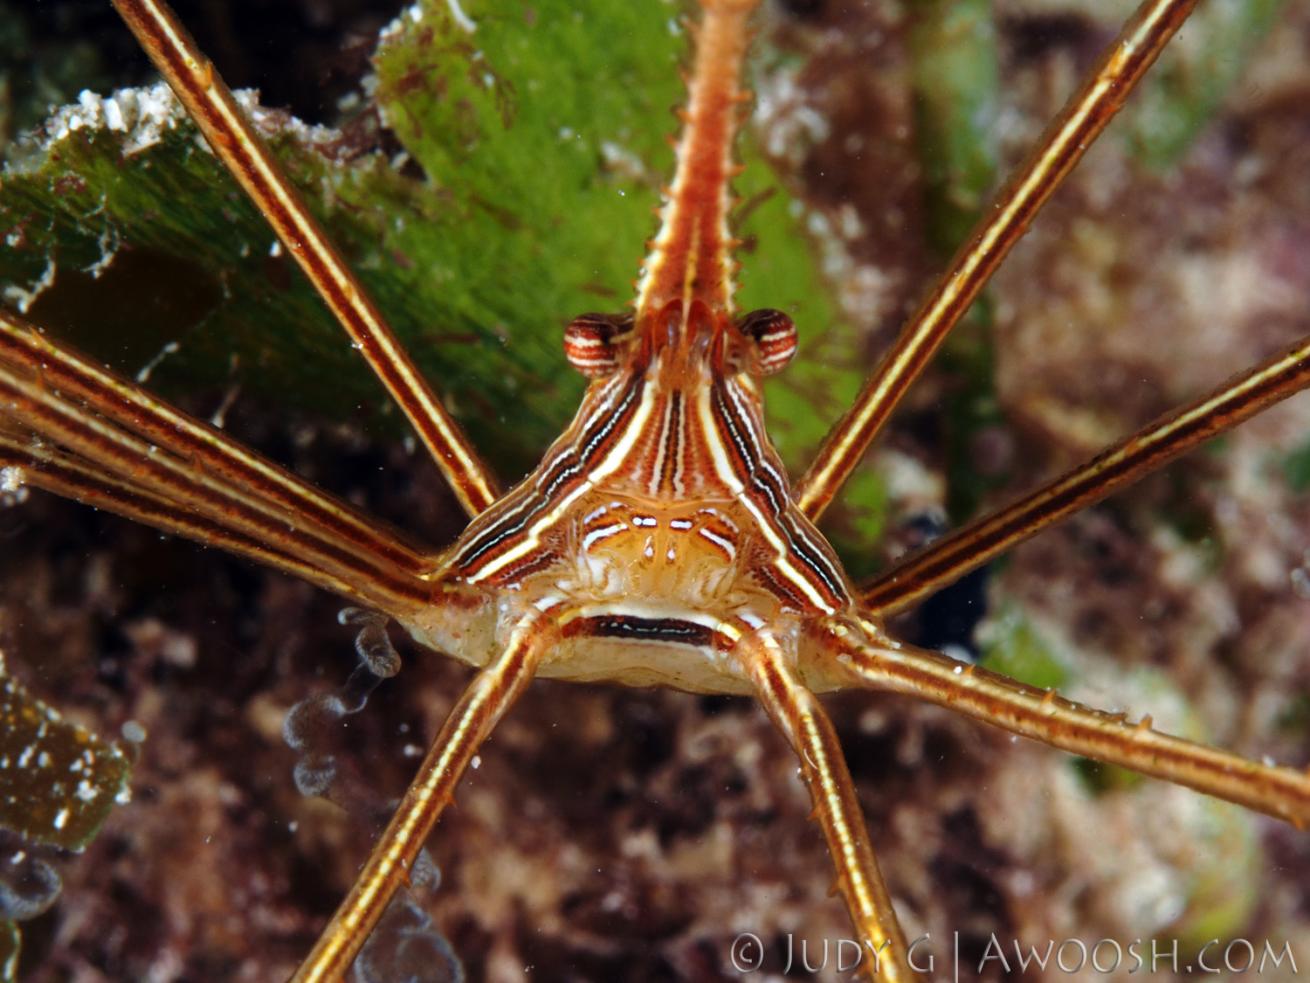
[563,468]
[672,445]
[633,628]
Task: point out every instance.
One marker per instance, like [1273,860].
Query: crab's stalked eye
[592,342]
[772,336]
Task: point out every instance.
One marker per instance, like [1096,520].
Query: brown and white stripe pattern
[773,340]
[668,424]
[593,343]
[659,451]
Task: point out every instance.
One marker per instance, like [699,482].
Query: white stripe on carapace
[727,545]
[531,537]
[775,537]
[806,546]
[662,447]
[679,449]
[507,522]
[604,532]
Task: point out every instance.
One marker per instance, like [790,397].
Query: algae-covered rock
[515,192]
[58,783]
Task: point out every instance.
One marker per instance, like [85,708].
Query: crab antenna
[689,258]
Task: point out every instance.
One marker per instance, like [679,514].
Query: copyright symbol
[747,953]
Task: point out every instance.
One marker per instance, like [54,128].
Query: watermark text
[947,959]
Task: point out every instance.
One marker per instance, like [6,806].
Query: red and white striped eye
[773,337]
[592,342]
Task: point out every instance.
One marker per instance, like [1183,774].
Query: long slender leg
[490,694]
[1160,442]
[127,405]
[211,105]
[867,659]
[62,474]
[799,716]
[135,463]
[1002,225]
